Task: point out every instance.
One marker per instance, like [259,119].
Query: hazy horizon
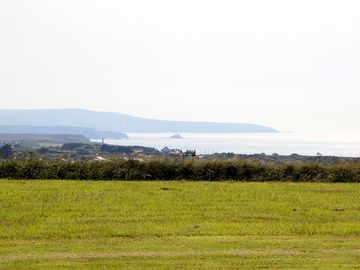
[289,65]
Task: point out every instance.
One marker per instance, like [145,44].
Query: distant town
[78,147]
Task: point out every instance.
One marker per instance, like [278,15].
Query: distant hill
[118,122]
[30,139]
[84,131]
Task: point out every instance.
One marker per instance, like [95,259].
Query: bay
[333,144]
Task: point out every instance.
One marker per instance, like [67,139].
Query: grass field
[178,225]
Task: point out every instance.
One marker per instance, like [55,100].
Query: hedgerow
[168,169]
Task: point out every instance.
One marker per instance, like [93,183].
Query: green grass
[178,225]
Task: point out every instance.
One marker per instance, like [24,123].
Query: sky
[291,65]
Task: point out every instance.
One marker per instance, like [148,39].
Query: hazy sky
[292,65]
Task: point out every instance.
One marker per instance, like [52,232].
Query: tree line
[169,169]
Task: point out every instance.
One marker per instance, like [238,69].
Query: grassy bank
[178,225]
[170,169]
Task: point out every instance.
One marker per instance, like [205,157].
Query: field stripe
[99,255]
[114,255]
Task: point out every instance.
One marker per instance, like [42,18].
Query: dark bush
[6,151]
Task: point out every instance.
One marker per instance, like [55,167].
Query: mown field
[178,225]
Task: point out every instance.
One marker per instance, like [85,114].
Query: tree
[6,151]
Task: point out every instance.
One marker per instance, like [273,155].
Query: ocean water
[335,144]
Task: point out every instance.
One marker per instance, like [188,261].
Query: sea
[329,144]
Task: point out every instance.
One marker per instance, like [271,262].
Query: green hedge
[166,169]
